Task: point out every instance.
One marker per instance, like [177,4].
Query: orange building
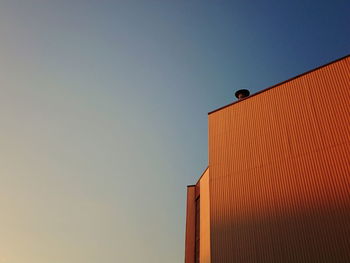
[277,187]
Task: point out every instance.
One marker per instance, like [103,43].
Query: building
[277,187]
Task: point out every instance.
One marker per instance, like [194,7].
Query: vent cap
[242,93]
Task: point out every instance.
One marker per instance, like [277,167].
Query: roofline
[202,175]
[307,72]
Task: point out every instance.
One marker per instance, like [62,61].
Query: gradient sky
[103,112]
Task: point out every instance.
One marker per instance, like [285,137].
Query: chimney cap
[242,93]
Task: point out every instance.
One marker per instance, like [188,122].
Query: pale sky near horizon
[103,112]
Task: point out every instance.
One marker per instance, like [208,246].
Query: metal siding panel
[190,225]
[279,172]
[204,218]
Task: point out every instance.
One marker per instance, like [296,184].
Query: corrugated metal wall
[190,224]
[197,243]
[280,172]
[204,218]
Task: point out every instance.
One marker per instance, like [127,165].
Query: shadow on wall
[320,235]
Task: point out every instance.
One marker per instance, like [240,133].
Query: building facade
[277,187]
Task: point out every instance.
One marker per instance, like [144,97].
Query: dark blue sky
[104,112]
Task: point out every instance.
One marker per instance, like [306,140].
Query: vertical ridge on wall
[279,172]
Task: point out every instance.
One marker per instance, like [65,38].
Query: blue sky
[104,105]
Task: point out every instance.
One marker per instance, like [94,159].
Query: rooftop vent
[242,93]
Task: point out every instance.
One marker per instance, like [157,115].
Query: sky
[103,112]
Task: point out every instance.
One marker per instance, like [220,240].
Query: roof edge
[280,83]
[202,175]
